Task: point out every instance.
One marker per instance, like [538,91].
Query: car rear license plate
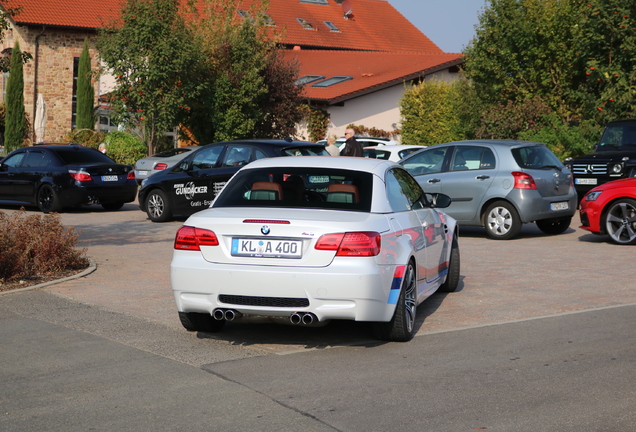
[563,205]
[109,178]
[142,173]
[585,181]
[270,248]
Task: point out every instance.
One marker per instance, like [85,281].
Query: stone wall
[51,72]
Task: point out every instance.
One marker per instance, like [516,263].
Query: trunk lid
[285,237]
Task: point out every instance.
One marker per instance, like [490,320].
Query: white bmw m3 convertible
[316,239]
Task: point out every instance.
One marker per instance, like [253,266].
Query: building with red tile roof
[360,54]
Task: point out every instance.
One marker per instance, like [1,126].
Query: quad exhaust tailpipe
[225,314]
[303,318]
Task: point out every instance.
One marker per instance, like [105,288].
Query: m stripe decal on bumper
[398,275]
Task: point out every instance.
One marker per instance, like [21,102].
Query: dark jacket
[352,148]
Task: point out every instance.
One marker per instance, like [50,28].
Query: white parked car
[146,167]
[364,142]
[391,152]
[312,240]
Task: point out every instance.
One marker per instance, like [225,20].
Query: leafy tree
[608,46]
[524,49]
[15,119]
[250,90]
[85,92]
[156,64]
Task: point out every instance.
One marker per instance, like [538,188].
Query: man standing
[352,146]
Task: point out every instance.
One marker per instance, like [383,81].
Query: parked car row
[313,239]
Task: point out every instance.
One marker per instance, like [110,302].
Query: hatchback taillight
[80,175]
[161,166]
[191,238]
[365,243]
[523,180]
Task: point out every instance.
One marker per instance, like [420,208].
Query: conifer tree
[15,120]
[85,92]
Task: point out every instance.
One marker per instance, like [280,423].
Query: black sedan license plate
[109,178]
[270,248]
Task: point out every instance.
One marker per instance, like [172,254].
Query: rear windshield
[79,155]
[318,188]
[317,150]
[536,157]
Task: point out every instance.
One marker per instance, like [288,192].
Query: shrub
[85,137]
[125,148]
[37,245]
[434,112]
[565,141]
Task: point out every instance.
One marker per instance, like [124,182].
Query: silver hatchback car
[498,184]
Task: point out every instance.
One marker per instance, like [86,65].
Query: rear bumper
[102,194]
[532,206]
[360,292]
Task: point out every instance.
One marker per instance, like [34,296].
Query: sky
[450,24]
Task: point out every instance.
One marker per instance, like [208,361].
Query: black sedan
[192,184]
[52,177]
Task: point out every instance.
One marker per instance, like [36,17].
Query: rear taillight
[161,166]
[80,175]
[131,175]
[523,180]
[191,238]
[366,243]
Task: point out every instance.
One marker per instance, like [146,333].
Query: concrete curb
[90,269]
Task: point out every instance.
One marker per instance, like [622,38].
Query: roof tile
[374,25]
[369,70]
[67,13]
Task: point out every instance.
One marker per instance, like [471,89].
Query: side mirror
[4,167]
[439,200]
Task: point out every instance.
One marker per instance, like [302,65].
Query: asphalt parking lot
[539,336]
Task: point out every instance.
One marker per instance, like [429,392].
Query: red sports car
[611,209]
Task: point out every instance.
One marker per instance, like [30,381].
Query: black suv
[614,158]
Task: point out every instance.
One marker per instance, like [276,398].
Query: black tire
[620,221]
[401,328]
[555,225]
[203,322]
[47,200]
[113,206]
[501,220]
[158,207]
[452,279]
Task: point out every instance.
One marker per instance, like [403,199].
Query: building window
[308,79]
[74,109]
[322,2]
[332,26]
[244,14]
[306,25]
[332,81]
[268,20]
